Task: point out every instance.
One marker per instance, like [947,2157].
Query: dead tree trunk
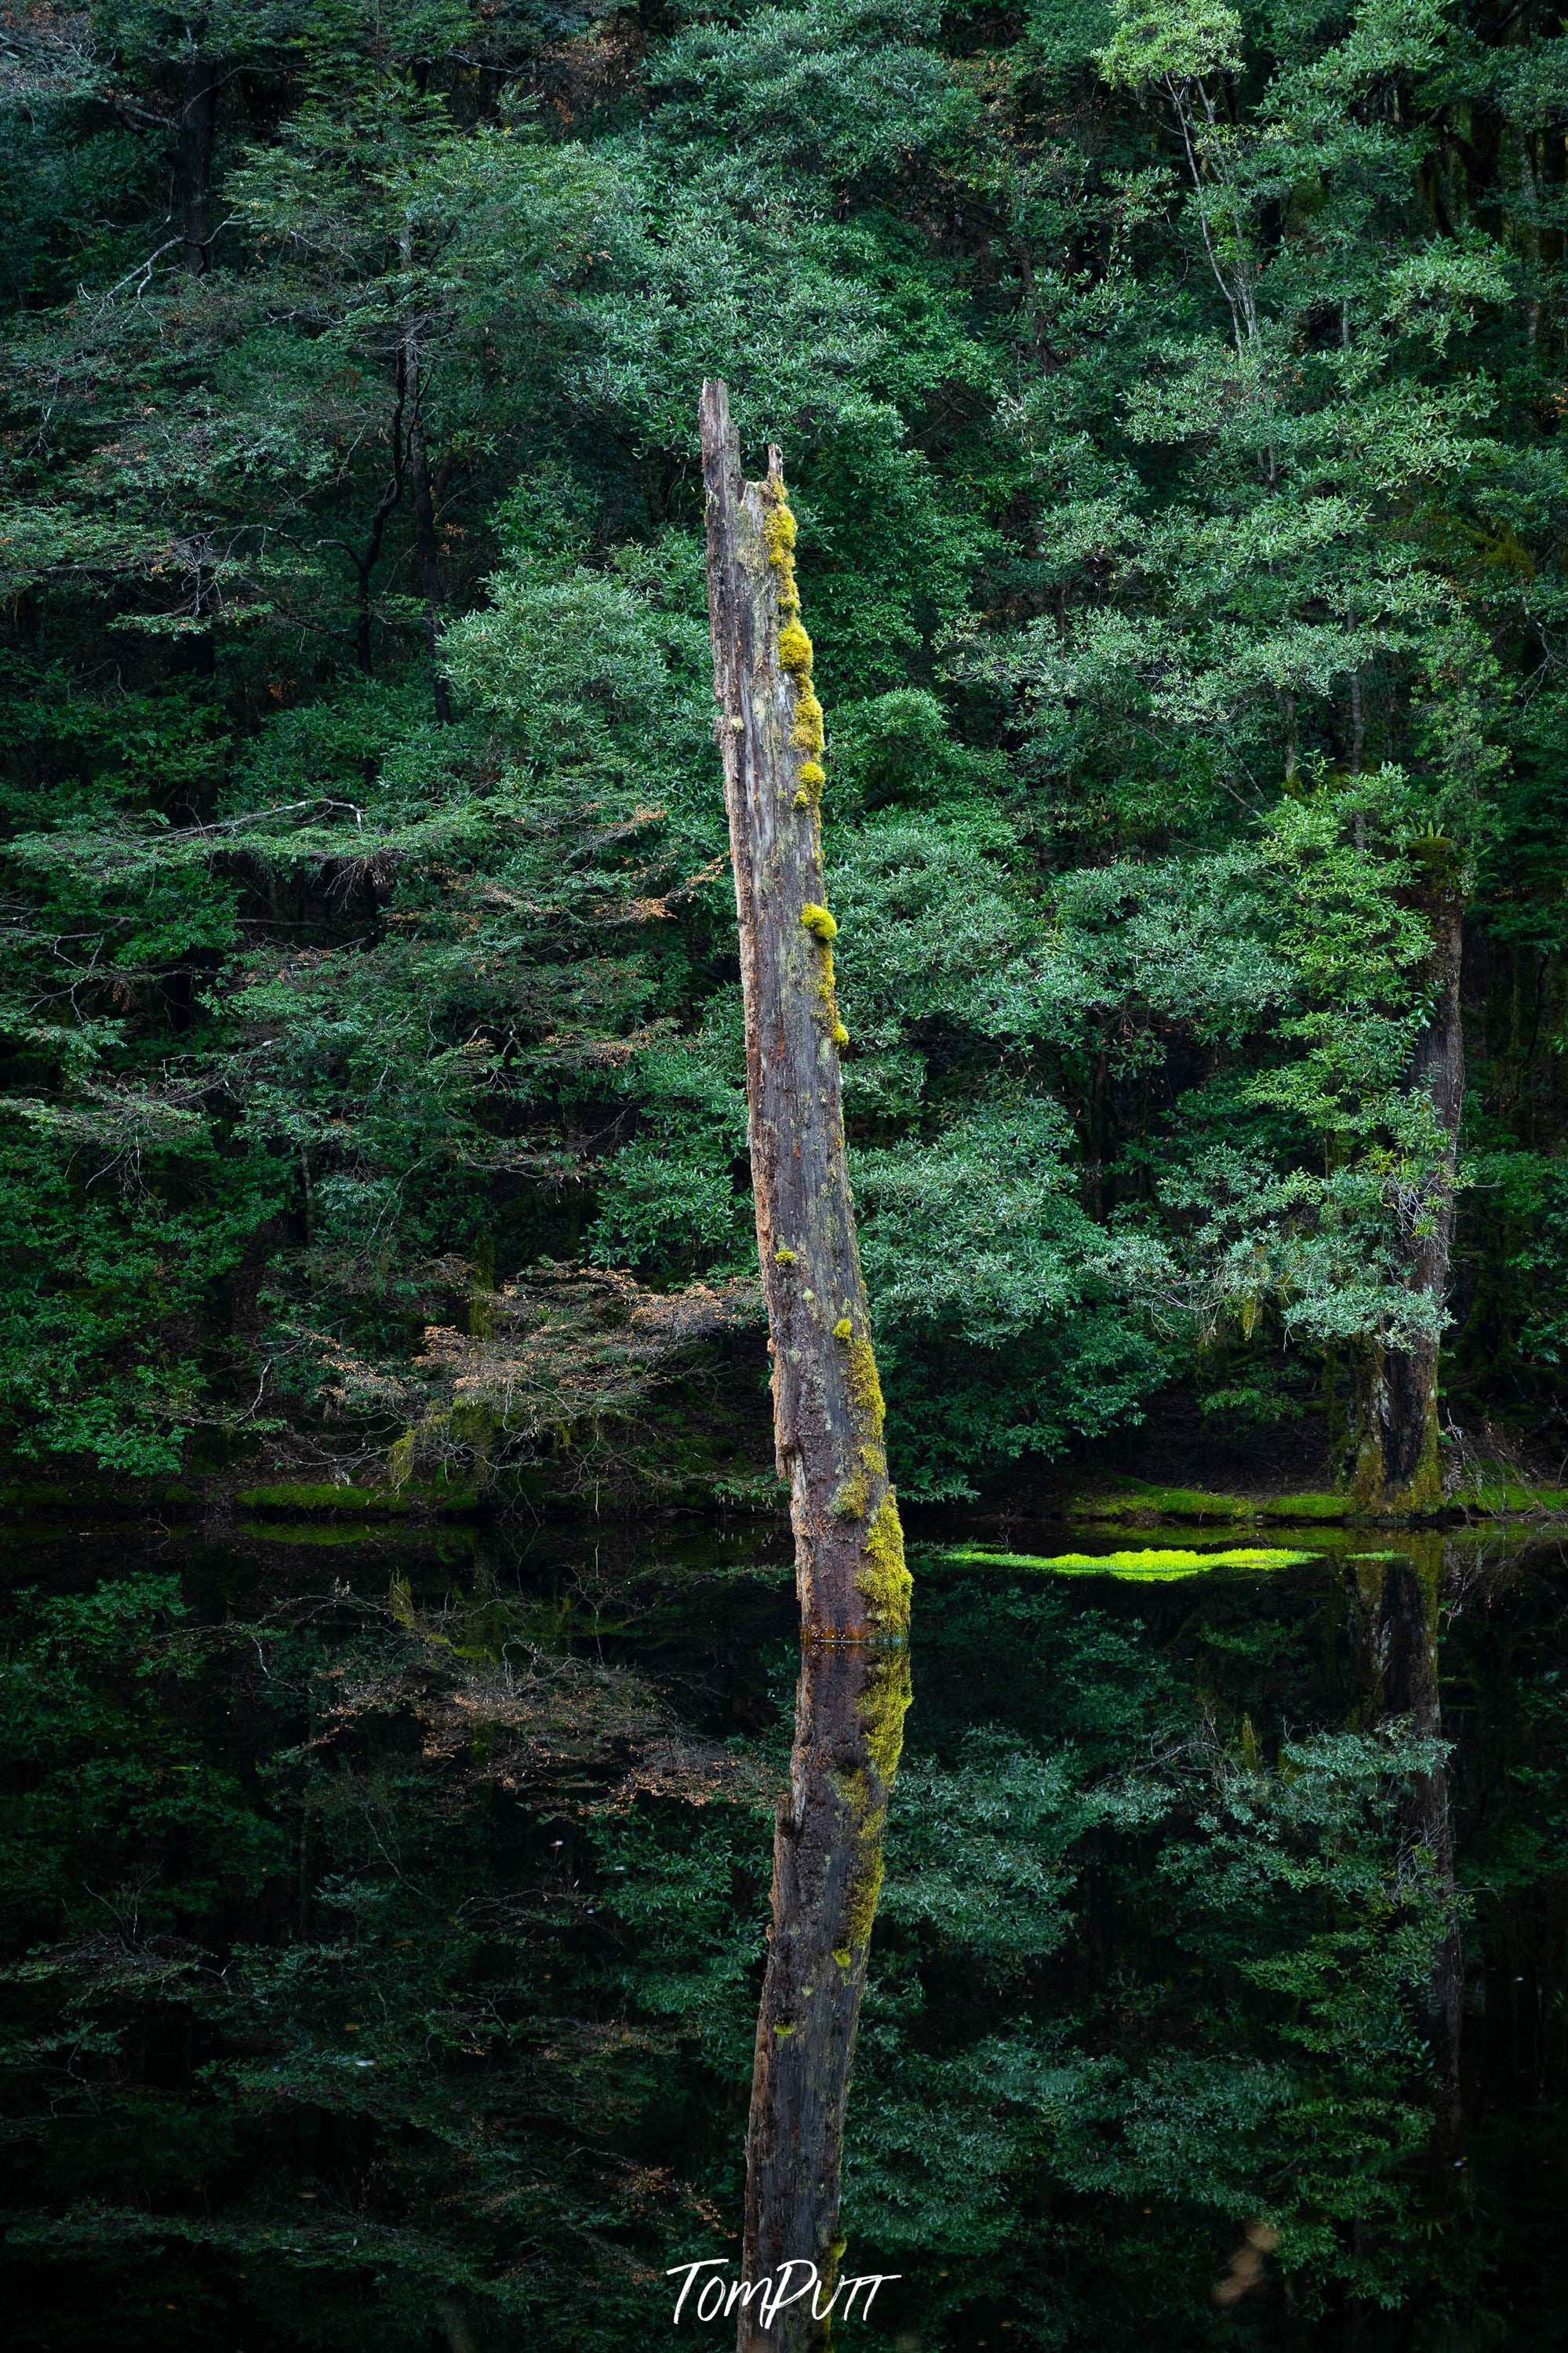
[1398,1467]
[827,1400]
[827,1871]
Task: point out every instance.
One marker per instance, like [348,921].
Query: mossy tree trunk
[827,1871]
[1397,1466]
[827,1400]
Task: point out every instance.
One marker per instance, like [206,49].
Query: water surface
[387,1914]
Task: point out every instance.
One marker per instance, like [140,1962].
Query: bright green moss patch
[1154,1565]
[794,649]
[1498,1496]
[445,1497]
[362,1502]
[1136,1501]
[443,1544]
[1307,1507]
[884,1579]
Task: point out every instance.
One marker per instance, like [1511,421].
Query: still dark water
[386,1914]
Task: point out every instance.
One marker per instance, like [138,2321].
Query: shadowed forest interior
[399,1646]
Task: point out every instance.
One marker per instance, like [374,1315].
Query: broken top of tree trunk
[827,1400]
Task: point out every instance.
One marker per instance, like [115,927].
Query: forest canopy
[1170,396]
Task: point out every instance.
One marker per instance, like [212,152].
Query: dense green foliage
[381,1970]
[1170,399]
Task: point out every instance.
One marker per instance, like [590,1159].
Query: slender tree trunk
[1404,1596]
[1398,1467]
[365,563]
[428,558]
[194,162]
[1411,1600]
[427,553]
[827,1400]
[827,1871]
[1099,1104]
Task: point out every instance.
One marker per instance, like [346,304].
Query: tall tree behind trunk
[1397,1468]
[827,1400]
[427,553]
[428,557]
[194,162]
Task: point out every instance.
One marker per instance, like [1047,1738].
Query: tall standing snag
[827,1400]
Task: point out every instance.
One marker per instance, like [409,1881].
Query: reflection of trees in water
[827,1871]
[1153,1955]
[1401,1598]
[1161,1965]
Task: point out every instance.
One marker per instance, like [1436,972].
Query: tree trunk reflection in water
[827,1871]
[828,1399]
[1401,1598]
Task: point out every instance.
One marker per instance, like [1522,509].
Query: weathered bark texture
[1401,1598]
[827,1401]
[827,1870]
[1398,1467]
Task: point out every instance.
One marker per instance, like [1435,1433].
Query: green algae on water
[1151,1566]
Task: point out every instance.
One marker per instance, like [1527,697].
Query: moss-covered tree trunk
[827,1871]
[1397,1466]
[827,1400]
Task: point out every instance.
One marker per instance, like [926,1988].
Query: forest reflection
[400,1908]
[1167,2004]
[1311,1858]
